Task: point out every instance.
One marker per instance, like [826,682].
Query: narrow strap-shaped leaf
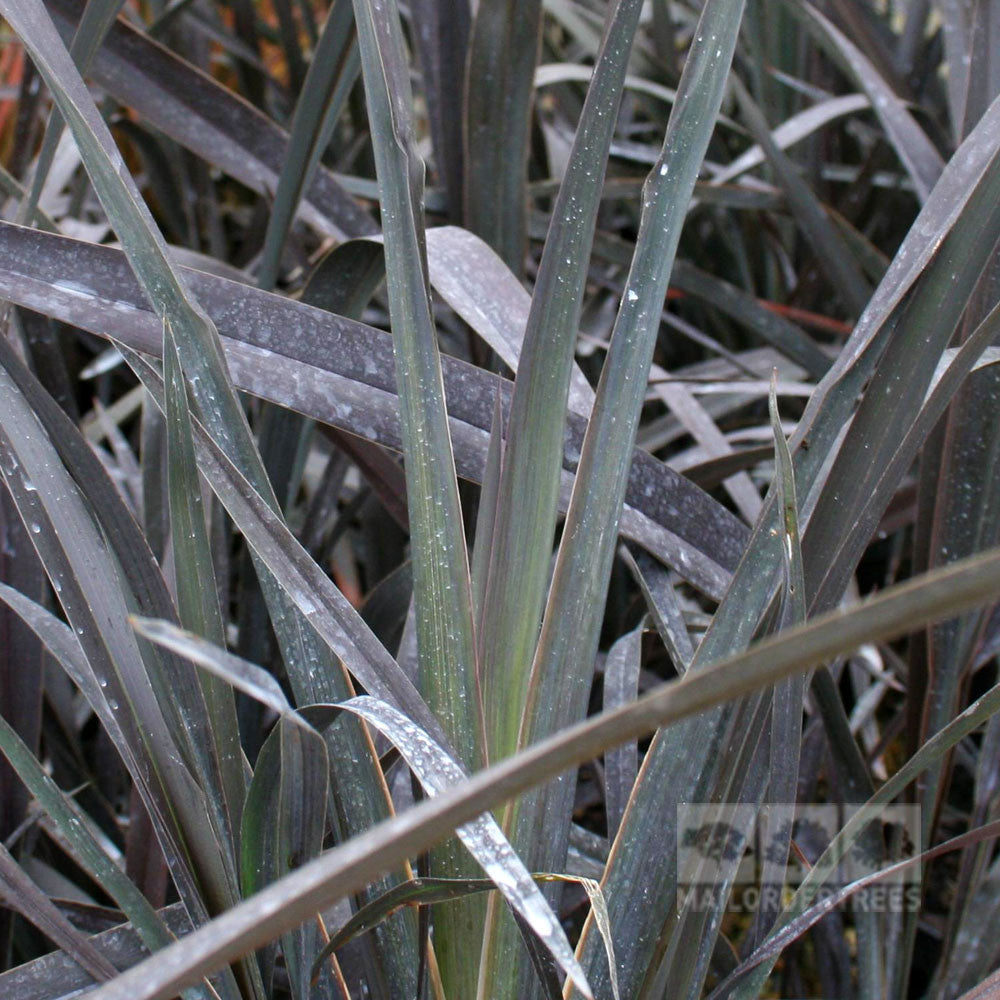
[441,29]
[106,300]
[482,551]
[343,282]
[664,608]
[197,600]
[283,824]
[621,687]
[477,284]
[332,72]
[787,698]
[529,482]
[499,91]
[794,612]
[442,589]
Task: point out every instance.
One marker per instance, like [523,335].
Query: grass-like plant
[388,566]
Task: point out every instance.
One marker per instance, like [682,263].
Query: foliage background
[566,409]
